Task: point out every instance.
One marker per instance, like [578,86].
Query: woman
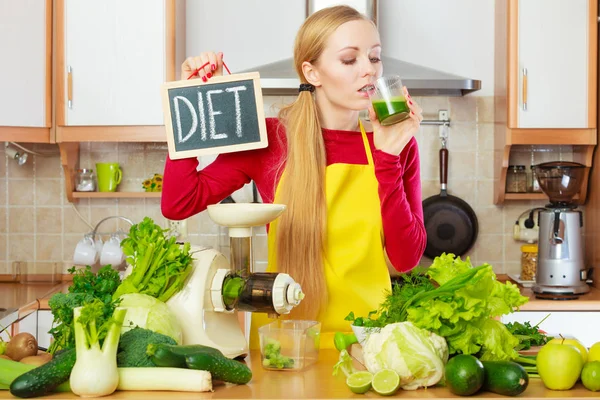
[353,197]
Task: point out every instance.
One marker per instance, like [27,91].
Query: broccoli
[133,344]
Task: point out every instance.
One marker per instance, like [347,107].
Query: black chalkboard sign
[222,115]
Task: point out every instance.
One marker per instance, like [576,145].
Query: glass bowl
[289,345]
[560,180]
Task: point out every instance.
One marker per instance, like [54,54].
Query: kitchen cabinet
[583,325]
[26,73]
[112,57]
[545,81]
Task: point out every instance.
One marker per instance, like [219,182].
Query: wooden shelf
[529,196]
[551,136]
[115,195]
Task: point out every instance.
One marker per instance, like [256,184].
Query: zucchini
[46,378]
[504,377]
[200,357]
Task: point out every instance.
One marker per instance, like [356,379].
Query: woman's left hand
[393,138]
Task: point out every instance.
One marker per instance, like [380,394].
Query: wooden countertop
[317,382]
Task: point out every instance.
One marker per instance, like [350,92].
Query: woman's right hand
[214,67]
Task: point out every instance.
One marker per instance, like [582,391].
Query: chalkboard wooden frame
[216,81]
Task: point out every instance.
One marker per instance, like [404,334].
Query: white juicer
[216,289]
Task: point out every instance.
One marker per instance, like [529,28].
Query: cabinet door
[115,52]
[25,69]
[553,54]
[583,325]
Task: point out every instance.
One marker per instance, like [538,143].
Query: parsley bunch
[87,288]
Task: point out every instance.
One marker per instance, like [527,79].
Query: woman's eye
[349,62]
[375,60]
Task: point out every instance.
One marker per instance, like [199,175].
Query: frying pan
[450,222]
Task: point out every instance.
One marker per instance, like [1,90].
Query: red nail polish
[412,112]
[209,75]
[204,79]
[213,67]
[410,102]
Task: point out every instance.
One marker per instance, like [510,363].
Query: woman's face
[348,66]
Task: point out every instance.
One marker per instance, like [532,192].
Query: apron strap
[366,143]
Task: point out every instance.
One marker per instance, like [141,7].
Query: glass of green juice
[388,100]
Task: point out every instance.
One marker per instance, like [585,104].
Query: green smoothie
[392,111]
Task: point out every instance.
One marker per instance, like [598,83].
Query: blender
[207,307]
[560,272]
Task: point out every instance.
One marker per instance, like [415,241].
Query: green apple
[590,376]
[573,342]
[559,365]
[594,354]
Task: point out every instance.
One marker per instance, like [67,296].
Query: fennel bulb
[95,372]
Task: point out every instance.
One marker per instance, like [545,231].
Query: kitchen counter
[317,383]
[587,302]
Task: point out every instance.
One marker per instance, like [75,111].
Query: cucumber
[46,378]
[504,377]
[220,367]
[200,357]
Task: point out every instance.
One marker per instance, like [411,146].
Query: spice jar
[529,257]
[516,179]
[85,180]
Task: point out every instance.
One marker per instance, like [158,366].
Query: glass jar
[85,180]
[529,258]
[535,185]
[516,179]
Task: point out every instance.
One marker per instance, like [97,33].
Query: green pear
[559,365]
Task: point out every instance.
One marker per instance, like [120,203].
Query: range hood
[279,78]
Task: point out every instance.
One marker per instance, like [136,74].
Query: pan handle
[443,169]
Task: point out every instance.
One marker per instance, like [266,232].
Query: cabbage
[416,354]
[150,313]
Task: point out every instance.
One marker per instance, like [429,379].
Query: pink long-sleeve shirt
[187,191]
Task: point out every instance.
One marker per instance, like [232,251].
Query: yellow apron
[355,267]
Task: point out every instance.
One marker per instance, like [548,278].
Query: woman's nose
[369,69]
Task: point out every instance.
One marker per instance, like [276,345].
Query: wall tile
[3,191]
[463,108]
[21,247]
[49,192]
[48,247]
[485,137]
[48,220]
[3,248]
[490,220]
[20,220]
[3,166]
[485,165]
[75,224]
[3,223]
[20,171]
[485,109]
[20,192]
[48,167]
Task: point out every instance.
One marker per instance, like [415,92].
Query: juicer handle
[558,235]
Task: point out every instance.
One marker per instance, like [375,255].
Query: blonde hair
[301,234]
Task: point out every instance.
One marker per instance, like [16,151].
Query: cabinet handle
[69,87]
[524,89]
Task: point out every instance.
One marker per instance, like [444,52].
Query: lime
[464,374]
[360,382]
[590,376]
[594,354]
[386,382]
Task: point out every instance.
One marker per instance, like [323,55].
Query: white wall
[455,36]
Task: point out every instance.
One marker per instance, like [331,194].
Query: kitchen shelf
[69,158]
[529,196]
[115,195]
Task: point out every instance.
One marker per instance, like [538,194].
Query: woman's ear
[311,74]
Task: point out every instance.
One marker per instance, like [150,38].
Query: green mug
[109,176]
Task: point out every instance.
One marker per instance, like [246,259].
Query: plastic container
[289,345]
[529,258]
